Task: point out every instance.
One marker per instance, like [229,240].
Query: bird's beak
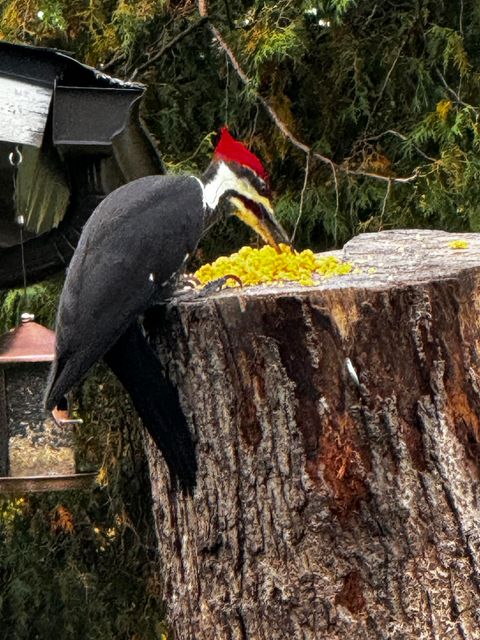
[259,215]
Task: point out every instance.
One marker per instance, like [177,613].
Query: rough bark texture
[337,434]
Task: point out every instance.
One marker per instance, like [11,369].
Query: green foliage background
[382,88]
[383,91]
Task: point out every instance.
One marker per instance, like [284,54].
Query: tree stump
[337,432]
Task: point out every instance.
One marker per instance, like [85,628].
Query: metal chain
[16,158]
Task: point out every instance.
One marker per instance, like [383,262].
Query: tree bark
[337,437]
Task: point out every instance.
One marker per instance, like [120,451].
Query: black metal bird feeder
[69,135]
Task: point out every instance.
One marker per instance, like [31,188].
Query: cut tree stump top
[398,257]
[409,256]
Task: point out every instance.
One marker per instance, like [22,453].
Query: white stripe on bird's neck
[224,180]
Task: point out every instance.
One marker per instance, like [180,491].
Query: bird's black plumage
[118,272]
[134,243]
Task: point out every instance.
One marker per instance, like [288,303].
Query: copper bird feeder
[36,450]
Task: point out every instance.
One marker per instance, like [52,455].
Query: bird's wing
[134,241]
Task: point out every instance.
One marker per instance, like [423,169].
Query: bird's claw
[214,286]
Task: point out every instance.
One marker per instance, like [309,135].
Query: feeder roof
[30,342]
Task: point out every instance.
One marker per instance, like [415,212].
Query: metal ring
[15,157]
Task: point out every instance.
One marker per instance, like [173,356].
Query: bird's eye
[263,189]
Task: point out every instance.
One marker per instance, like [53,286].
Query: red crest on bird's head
[234,151]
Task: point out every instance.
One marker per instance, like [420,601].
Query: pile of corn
[265,265]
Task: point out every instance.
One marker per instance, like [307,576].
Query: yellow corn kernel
[458,244]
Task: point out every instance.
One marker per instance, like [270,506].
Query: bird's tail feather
[137,367]
[56,386]
[64,374]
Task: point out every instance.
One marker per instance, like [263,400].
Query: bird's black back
[131,246]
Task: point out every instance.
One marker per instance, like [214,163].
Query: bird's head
[237,178]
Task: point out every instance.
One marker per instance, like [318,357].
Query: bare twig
[227,87]
[453,93]
[280,124]
[402,137]
[385,82]
[302,198]
[202,8]
[118,57]
[337,199]
[460,28]
[228,13]
[370,17]
[377,176]
[254,124]
[180,36]
[384,206]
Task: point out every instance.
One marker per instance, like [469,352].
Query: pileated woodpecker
[129,256]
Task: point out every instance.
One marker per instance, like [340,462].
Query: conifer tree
[366,112]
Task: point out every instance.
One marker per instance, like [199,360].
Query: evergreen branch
[174,41]
[280,124]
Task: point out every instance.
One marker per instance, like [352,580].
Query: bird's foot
[214,286]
